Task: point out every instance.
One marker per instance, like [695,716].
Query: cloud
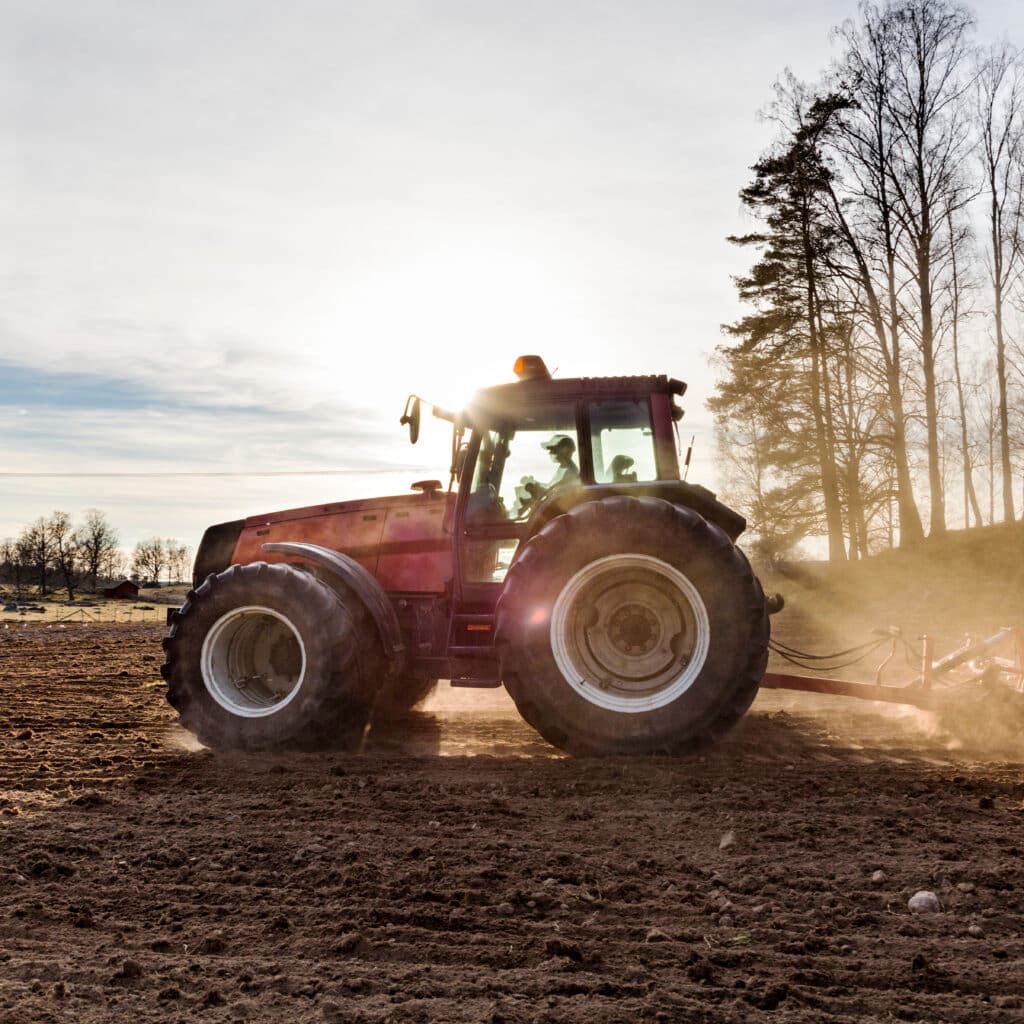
[62,415]
[62,422]
[236,235]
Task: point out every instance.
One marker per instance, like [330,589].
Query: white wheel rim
[629,633]
[253,661]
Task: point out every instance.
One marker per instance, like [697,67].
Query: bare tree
[179,558]
[1000,101]
[98,542]
[8,559]
[66,550]
[926,105]
[149,559]
[37,550]
[863,207]
[115,565]
[23,563]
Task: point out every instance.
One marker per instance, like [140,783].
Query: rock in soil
[924,902]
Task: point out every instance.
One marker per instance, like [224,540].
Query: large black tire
[652,590]
[269,657]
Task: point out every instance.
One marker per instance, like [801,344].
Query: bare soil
[460,870]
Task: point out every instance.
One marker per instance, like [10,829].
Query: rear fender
[349,572]
[677,492]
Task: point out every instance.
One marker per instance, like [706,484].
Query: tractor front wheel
[631,625]
[266,656]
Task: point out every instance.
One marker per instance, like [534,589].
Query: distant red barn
[126,590]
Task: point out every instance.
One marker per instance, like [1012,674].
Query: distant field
[150,606]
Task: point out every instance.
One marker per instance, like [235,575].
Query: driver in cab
[562,450]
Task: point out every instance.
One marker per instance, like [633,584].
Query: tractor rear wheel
[629,626]
[266,656]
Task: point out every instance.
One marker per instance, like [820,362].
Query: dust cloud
[454,721]
[181,741]
[968,585]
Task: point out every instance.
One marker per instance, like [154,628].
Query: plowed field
[459,870]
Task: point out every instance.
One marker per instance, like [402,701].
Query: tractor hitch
[922,691]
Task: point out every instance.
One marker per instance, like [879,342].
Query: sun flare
[468,312]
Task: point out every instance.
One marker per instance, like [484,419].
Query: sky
[234,235]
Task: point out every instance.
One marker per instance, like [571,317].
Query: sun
[452,321]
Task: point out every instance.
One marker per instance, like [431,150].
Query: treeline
[56,553]
[880,368]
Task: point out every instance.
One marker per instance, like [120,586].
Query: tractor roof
[504,400]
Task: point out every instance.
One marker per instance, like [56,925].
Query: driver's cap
[558,442]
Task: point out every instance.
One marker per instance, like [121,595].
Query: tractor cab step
[476,672]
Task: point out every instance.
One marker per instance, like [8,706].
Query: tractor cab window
[517,467]
[622,442]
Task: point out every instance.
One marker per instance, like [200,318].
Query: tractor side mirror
[411,417]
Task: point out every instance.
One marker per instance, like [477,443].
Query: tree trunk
[931,407]
[821,400]
[1004,414]
[970,495]
[826,464]
[911,530]
[923,247]
[997,193]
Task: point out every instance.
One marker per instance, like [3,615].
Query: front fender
[354,576]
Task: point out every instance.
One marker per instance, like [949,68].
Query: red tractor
[571,564]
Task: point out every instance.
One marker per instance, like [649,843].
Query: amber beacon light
[531,368]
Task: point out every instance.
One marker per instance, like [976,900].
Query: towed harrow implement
[932,688]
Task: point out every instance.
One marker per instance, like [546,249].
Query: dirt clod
[559,947]
[212,944]
[350,942]
[130,970]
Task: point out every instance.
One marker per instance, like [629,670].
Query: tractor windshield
[516,467]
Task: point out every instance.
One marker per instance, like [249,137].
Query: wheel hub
[253,661]
[633,629]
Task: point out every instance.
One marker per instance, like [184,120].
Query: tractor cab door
[510,468]
[513,467]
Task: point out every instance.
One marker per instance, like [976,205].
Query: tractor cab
[537,447]
[527,451]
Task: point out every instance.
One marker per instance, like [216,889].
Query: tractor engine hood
[362,529]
